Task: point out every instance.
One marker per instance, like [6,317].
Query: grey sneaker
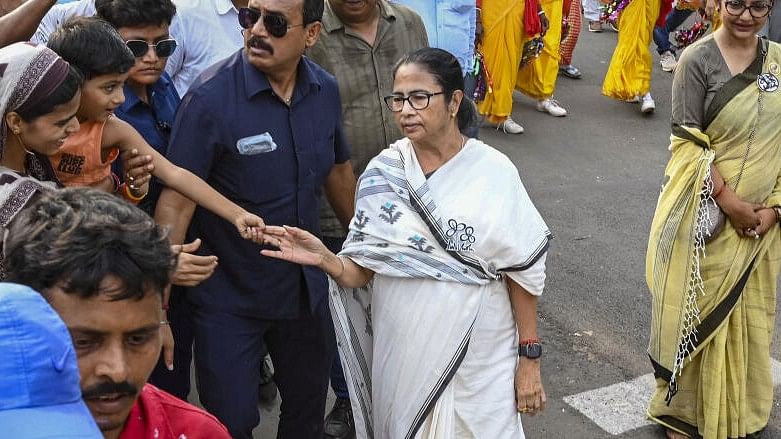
[667,61]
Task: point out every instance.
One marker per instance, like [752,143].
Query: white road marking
[619,408]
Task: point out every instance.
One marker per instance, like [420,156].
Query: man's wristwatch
[531,350]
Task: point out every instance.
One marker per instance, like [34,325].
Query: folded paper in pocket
[256,144]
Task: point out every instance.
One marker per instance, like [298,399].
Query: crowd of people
[239,183]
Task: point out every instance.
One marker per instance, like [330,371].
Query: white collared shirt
[58,14]
[206,31]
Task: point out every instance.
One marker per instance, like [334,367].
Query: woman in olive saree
[714,295]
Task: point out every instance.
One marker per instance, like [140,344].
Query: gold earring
[452,114]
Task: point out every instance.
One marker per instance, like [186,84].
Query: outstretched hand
[250,226]
[294,245]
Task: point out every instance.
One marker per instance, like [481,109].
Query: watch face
[534,350]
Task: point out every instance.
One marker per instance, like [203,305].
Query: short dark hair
[136,13]
[93,46]
[61,95]
[313,10]
[74,238]
[446,70]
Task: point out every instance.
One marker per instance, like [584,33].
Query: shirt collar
[131,99]
[255,81]
[331,21]
[223,6]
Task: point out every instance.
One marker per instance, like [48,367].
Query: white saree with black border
[429,346]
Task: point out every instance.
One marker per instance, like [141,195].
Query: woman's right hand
[742,215]
[295,245]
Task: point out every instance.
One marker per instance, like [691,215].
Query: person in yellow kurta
[714,287]
[502,43]
[629,76]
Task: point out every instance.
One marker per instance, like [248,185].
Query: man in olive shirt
[359,44]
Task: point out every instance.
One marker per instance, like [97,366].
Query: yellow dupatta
[712,365]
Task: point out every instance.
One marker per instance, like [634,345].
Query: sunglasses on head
[276,25]
[163,48]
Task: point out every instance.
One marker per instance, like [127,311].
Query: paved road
[594,175]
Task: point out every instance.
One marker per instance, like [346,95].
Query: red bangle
[716,194]
[165,307]
[528,341]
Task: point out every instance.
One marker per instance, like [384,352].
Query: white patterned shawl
[489,228]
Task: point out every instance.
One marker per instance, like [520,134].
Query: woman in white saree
[439,277]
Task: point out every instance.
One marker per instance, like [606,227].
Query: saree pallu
[503,40]
[440,250]
[574,18]
[537,79]
[714,304]
[629,74]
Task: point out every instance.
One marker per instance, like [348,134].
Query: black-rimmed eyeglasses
[418,100]
[758,9]
[163,48]
[275,24]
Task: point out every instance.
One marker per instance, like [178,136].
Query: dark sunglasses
[163,48]
[275,24]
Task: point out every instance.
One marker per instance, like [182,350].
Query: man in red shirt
[104,265]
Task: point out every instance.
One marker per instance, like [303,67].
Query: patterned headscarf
[29,74]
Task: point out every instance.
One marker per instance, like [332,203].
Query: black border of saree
[712,322]
[692,432]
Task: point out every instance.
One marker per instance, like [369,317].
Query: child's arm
[118,133]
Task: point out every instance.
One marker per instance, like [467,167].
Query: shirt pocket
[261,175]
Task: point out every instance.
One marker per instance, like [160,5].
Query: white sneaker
[648,106]
[509,126]
[668,61]
[551,107]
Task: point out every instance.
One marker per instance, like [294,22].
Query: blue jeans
[338,383]
[675,18]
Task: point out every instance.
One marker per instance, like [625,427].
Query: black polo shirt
[234,132]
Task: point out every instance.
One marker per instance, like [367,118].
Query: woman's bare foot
[675,435]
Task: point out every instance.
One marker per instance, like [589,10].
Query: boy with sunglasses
[151,99]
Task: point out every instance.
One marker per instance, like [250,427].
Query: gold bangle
[135,199]
[165,322]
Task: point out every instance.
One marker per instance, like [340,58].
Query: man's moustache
[109,388]
[258,43]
